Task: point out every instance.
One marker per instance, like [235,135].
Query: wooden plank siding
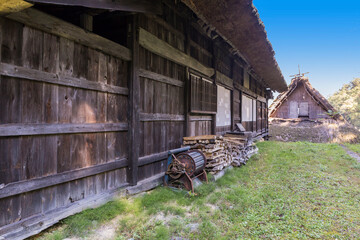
[82,116]
[63,121]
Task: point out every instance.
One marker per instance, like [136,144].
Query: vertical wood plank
[134,100]
[50,63]
[32,112]
[66,57]
[65,102]
[11,49]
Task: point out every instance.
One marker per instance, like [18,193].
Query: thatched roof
[295,82]
[238,22]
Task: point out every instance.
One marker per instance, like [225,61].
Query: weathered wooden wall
[300,95]
[63,120]
[82,116]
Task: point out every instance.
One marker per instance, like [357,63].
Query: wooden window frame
[208,89]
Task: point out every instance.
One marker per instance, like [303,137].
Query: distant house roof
[238,22]
[316,96]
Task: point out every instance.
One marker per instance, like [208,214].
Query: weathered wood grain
[133,111]
[35,224]
[51,180]
[152,117]
[47,23]
[59,79]
[223,79]
[160,78]
[200,118]
[155,45]
[245,90]
[46,129]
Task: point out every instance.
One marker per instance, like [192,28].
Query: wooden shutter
[304,109]
[293,110]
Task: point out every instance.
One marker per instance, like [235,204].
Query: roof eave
[250,38]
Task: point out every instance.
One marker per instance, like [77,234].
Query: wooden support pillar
[214,63]
[187,90]
[232,97]
[86,22]
[134,100]
[187,129]
[241,102]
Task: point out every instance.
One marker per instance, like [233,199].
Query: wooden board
[152,43]
[47,23]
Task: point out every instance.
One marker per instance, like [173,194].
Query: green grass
[288,191]
[353,147]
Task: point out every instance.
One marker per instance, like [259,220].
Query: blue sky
[322,36]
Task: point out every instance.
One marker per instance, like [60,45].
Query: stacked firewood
[240,147]
[220,151]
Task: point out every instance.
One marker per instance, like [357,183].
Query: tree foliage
[347,101]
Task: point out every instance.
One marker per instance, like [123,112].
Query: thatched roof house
[301,100]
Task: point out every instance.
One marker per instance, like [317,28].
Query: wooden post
[241,102]
[187,82]
[232,96]
[86,22]
[134,100]
[213,126]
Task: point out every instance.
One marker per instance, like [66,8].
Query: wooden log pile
[222,152]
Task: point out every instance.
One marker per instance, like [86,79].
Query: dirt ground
[319,131]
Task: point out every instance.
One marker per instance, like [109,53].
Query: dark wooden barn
[94,93]
[302,101]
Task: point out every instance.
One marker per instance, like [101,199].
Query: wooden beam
[151,117]
[143,6]
[7,130]
[27,227]
[153,158]
[162,48]
[146,184]
[245,90]
[203,112]
[223,79]
[261,99]
[200,118]
[86,22]
[15,188]
[166,25]
[10,70]
[30,226]
[200,48]
[160,78]
[47,23]
[134,102]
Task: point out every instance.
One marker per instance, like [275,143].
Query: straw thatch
[316,96]
[238,22]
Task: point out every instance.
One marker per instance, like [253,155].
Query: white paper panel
[247,109]
[223,116]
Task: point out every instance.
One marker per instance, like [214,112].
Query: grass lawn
[288,191]
[353,147]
